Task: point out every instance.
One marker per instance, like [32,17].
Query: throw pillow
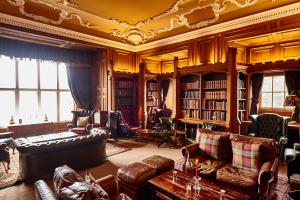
[81,191]
[83,121]
[246,156]
[64,176]
[209,144]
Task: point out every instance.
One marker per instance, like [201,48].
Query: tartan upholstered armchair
[270,125]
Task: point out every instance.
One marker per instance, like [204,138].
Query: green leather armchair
[271,125]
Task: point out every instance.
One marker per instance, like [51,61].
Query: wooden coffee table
[163,187]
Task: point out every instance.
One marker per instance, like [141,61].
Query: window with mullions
[31,88]
[273,92]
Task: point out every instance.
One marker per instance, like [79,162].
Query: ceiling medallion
[134,35]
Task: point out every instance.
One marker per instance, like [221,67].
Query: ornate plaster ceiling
[135,22]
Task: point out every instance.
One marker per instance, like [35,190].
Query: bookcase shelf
[125,97]
[241,96]
[214,96]
[190,96]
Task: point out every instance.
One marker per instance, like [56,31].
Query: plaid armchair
[270,125]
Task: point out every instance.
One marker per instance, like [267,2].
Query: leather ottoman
[133,180]
[159,163]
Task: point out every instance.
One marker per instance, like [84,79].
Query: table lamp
[292,100]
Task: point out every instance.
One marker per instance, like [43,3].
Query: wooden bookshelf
[152,98]
[214,96]
[241,96]
[190,96]
[125,97]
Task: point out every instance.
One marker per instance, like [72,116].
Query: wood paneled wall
[275,52]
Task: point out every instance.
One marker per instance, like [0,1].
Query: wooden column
[141,92]
[232,89]
[176,97]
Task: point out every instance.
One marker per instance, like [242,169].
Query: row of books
[124,101]
[215,94]
[190,114]
[215,105]
[215,84]
[152,86]
[152,94]
[242,116]
[241,83]
[214,115]
[152,103]
[241,94]
[190,104]
[191,85]
[124,84]
[242,105]
[124,92]
[190,94]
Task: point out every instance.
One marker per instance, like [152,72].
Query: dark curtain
[19,49]
[79,79]
[256,84]
[164,92]
[292,80]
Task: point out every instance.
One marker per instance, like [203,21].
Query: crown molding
[37,26]
[269,15]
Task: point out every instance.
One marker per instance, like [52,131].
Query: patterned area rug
[282,187]
[12,176]
[113,148]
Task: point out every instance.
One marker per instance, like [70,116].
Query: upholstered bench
[159,163]
[133,179]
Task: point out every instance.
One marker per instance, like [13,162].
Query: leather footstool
[133,180]
[159,163]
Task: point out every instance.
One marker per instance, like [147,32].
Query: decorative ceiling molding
[133,34]
[273,14]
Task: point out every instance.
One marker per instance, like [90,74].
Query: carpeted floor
[11,177]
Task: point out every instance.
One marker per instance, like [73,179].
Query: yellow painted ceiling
[135,21]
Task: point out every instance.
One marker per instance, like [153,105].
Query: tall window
[30,88]
[273,92]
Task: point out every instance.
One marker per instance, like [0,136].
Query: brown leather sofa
[38,160]
[261,184]
[65,177]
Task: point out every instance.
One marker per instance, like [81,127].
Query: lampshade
[291,100]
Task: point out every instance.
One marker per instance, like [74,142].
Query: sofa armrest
[109,184]
[42,191]
[190,150]
[69,125]
[6,135]
[267,178]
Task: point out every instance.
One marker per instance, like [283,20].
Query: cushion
[246,156]
[210,167]
[83,121]
[159,163]
[136,173]
[79,130]
[209,144]
[64,176]
[238,177]
[82,191]
[224,143]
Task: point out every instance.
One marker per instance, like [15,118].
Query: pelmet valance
[20,49]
